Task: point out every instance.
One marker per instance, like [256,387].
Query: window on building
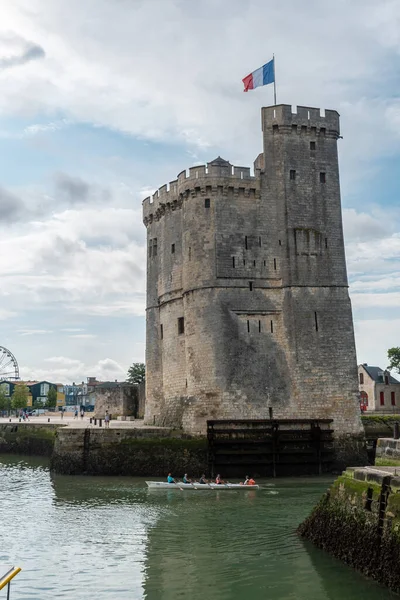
[259,326]
[245,242]
[316,321]
[190,253]
[181,325]
[294,128]
[150,247]
[172,248]
[393,398]
[44,388]
[280,242]
[322,131]
[248,326]
[386,379]
[161,331]
[275,264]
[207,203]
[254,263]
[233,261]
[251,286]
[361,378]
[312,145]
[265,263]
[326,242]
[322,177]
[155,247]
[275,128]
[382,398]
[259,242]
[272,327]
[292,174]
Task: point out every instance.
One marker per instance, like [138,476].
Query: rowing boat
[163,485]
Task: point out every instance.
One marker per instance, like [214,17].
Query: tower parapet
[200,180]
[304,120]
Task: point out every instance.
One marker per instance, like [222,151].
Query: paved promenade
[72,422]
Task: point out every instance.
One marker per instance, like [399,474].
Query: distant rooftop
[376,373]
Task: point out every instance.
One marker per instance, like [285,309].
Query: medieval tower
[247,296]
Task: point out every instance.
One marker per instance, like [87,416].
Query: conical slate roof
[219,162]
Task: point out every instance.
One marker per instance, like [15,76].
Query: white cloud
[67,370]
[176,89]
[33,331]
[374,337]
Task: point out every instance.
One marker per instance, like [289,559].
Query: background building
[379,390]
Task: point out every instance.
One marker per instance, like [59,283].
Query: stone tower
[247,294]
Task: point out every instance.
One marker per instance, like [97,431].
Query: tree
[4,400]
[19,399]
[52,398]
[136,373]
[394,357]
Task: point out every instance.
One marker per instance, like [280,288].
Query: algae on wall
[32,439]
[128,452]
[358,521]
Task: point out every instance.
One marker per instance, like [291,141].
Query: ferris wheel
[9,368]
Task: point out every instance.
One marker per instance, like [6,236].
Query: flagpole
[273,58]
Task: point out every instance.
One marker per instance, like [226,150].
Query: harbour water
[111,538]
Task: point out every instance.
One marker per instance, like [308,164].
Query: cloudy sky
[104,100]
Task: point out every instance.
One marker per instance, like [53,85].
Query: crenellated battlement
[301,120]
[218,176]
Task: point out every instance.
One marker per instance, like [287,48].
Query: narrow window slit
[275,264]
[233,261]
[248,326]
[316,321]
[259,326]
[161,332]
[251,286]
[272,327]
[181,325]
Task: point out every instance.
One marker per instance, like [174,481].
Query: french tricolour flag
[262,76]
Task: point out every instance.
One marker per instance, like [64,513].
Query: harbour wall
[33,439]
[138,451]
[145,452]
[358,522]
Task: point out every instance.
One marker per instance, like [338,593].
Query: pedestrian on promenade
[107,420]
[76,414]
[82,413]
[62,413]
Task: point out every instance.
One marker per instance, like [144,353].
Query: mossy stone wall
[345,523]
[29,439]
[143,452]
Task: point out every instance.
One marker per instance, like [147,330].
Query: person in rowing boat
[249,481]
[218,480]
[203,479]
[185,479]
[170,479]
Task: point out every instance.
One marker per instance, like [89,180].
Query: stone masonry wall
[256,268]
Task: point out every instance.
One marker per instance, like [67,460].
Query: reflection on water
[106,538]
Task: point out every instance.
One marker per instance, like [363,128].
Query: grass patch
[386,462]
[385,419]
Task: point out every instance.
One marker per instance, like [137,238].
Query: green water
[111,538]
